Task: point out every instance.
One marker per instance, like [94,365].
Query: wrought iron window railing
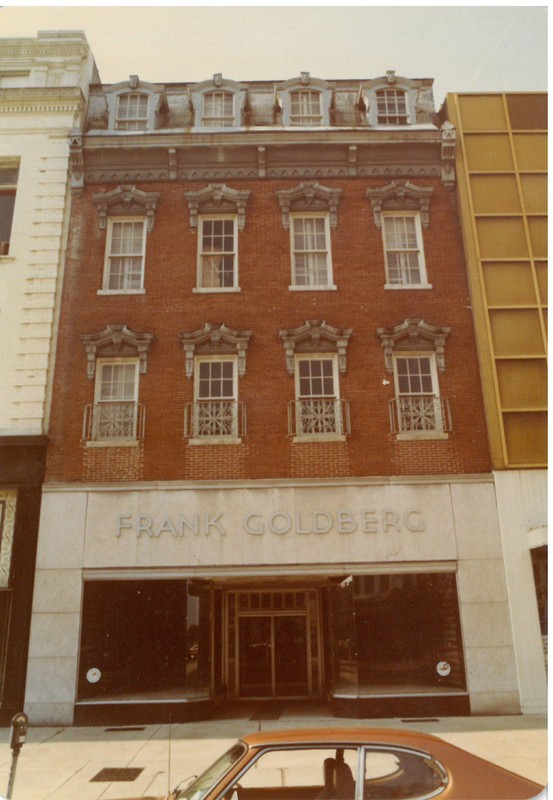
[417,413]
[214,418]
[112,421]
[318,416]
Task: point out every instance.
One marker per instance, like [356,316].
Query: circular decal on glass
[443,668]
[93,675]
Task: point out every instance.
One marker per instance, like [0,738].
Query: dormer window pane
[132,112]
[391,107]
[218,110]
[305,108]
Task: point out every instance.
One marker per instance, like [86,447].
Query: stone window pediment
[116,341]
[400,196]
[315,336]
[217,198]
[215,340]
[126,201]
[309,196]
[415,335]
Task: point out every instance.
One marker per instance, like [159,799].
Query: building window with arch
[414,352]
[315,357]
[391,107]
[116,357]
[132,111]
[215,359]
[305,107]
[218,109]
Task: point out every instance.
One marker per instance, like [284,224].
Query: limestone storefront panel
[284,525]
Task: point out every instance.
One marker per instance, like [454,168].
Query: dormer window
[218,103]
[391,107]
[305,107]
[218,110]
[135,105]
[132,112]
[304,101]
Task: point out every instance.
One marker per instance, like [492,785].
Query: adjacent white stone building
[44,86]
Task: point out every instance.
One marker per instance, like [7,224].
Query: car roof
[319,736]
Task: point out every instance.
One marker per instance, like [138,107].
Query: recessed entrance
[273,644]
[273,656]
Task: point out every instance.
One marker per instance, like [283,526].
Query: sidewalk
[61,762]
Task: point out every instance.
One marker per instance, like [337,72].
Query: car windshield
[201,786]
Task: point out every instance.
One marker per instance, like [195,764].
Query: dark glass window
[145,638]
[8,182]
[396,634]
[528,111]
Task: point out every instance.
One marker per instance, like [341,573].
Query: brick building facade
[269,463]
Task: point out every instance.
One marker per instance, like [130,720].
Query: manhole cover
[109,774]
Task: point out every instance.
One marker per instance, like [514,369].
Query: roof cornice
[35,100]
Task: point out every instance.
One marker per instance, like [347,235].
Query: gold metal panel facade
[502,168]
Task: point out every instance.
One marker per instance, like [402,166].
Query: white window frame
[295,286]
[98,400]
[127,123]
[219,120]
[226,438]
[306,119]
[423,282]
[200,254]
[112,222]
[396,93]
[439,431]
[316,437]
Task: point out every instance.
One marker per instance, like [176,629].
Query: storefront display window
[396,634]
[145,640]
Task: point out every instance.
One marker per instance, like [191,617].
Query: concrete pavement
[60,763]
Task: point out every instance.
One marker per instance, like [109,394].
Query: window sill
[223,289]
[319,437]
[396,286]
[121,291]
[413,436]
[7,259]
[207,440]
[330,288]
[113,443]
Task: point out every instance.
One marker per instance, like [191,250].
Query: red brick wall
[265,305]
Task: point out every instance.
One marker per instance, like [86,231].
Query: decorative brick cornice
[315,336]
[215,340]
[114,341]
[413,334]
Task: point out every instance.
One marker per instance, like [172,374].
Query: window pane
[173,617]
[117,382]
[7,204]
[306,772]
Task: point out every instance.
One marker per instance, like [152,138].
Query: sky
[464,48]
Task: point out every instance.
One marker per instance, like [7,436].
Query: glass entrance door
[273,656]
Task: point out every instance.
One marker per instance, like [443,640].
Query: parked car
[352,764]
